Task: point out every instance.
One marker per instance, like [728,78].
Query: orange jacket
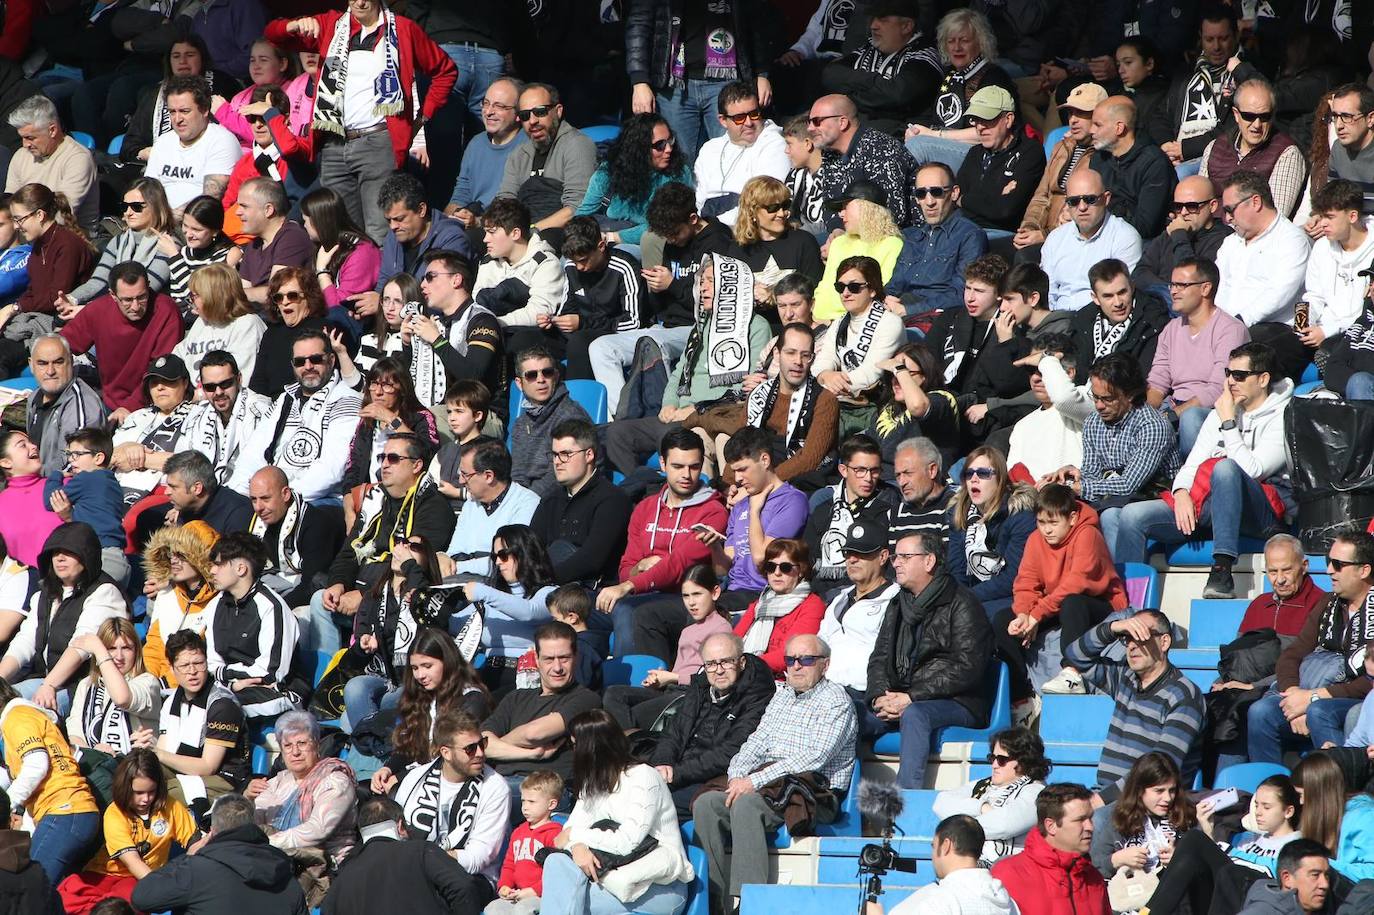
[1082,564]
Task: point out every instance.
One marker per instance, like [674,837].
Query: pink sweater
[689,645]
[1186,366]
[358,273]
[25,521]
[302,110]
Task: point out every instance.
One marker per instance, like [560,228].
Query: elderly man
[196,156]
[930,659]
[566,157]
[1258,148]
[929,274]
[1138,175]
[722,707]
[751,146]
[1194,230]
[484,159]
[60,404]
[808,731]
[851,151]
[1264,264]
[51,158]
[1092,234]
[301,539]
[855,614]
[277,241]
[1000,172]
[218,425]
[919,470]
[1074,151]
[897,71]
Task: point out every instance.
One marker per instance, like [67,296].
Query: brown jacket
[1322,623]
[1042,213]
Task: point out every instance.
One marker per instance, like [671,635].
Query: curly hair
[1026,747]
[1152,770]
[412,735]
[629,161]
[758,192]
[874,222]
[315,305]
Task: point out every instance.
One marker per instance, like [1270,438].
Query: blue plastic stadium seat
[629,670]
[767,899]
[116,145]
[83,138]
[1199,552]
[1074,728]
[1052,139]
[21,383]
[1310,374]
[1247,776]
[890,744]
[1213,624]
[1142,583]
[1203,678]
[602,133]
[591,395]
[699,890]
[1320,579]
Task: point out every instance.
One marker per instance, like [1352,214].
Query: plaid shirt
[1124,458]
[814,731]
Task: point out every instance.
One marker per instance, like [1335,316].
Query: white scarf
[289,559]
[801,405]
[220,441]
[726,336]
[851,351]
[770,608]
[302,440]
[386,91]
[422,813]
[982,562]
[1107,336]
[104,722]
[427,369]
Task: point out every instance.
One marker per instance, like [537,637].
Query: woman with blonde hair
[146,217]
[769,240]
[225,320]
[177,565]
[115,709]
[869,230]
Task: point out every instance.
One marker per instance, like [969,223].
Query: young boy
[469,405]
[572,604]
[808,200]
[91,495]
[1066,579]
[522,878]
[1025,292]
[520,279]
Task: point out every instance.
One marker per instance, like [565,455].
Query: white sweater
[724,168]
[1335,290]
[1257,443]
[888,335]
[1005,824]
[240,337]
[540,271]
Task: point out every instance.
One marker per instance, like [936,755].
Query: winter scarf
[800,407]
[724,330]
[770,608]
[386,92]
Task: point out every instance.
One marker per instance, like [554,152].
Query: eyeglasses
[982,473]
[1339,564]
[301,362]
[535,374]
[782,206]
[504,555]
[186,667]
[69,454]
[132,299]
[465,475]
[562,457]
[906,557]
[20,220]
[1239,374]
[471,748]
[431,275]
[386,387]
[935,193]
[138,206]
[786,568]
[805,660]
[821,119]
[1191,206]
[1000,759]
[851,288]
[722,664]
[293,297]
[663,145]
[1264,117]
[489,105]
[538,111]
[1346,117]
[864,471]
[1087,200]
[1177,285]
[1231,210]
[738,119]
[391,457]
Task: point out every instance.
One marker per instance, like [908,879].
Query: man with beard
[860,497]
[218,426]
[301,539]
[550,173]
[1139,176]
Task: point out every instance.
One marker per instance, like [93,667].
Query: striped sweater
[1166,716]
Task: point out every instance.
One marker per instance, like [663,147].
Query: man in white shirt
[851,622]
[1092,234]
[751,147]
[196,157]
[1264,264]
[53,159]
[1335,291]
[962,887]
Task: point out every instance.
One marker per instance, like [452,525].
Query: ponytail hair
[55,204]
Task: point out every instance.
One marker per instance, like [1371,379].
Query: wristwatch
[1228,425]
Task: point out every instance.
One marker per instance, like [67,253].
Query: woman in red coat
[785,608]
[1054,875]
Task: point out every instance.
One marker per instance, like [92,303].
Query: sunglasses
[538,111]
[1339,564]
[935,193]
[254,119]
[312,359]
[982,473]
[1089,200]
[1132,640]
[805,660]
[1231,210]
[786,568]
[137,206]
[210,387]
[391,457]
[431,276]
[292,297]
[784,206]
[821,119]
[504,555]
[534,374]
[1264,117]
[663,145]
[1000,759]
[851,288]
[1239,374]
[472,747]
[738,119]
[1191,206]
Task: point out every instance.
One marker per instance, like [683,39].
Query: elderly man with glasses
[1089,235]
[1258,147]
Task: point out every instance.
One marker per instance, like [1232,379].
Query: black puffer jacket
[704,736]
[237,871]
[649,38]
[1149,317]
[946,642]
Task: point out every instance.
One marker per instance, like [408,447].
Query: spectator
[176,562]
[1075,150]
[803,179]
[115,708]
[128,327]
[808,731]
[929,273]
[493,502]
[522,874]
[785,609]
[910,408]
[1335,286]
[1193,231]
[1120,318]
[1352,155]
[187,56]
[229,413]
[1294,595]
[852,152]
[1318,675]
[301,539]
[463,342]
[274,152]
[1054,875]
[1002,169]
[225,321]
[771,244]
[268,67]
[990,520]
[236,868]
[25,517]
[148,437]
[1147,822]
[277,243]
[348,262]
[584,524]
[1092,234]
[382,335]
[925,497]
[606,294]
[515,598]
[1157,707]
[803,430]
[855,613]
[961,880]
[309,427]
[384,133]
[1255,146]
[389,407]
[195,495]
[848,363]
[1193,112]
[520,280]
[1139,177]
[869,231]
[459,803]
[89,493]
[197,156]
[894,73]
[545,405]
[1140,71]
[1263,264]
[1051,436]
[202,242]
[859,497]
[60,404]
[1332,817]
[61,256]
[554,190]
[484,158]
[1347,366]
[14,256]
[51,158]
[1004,803]
[1304,870]
[760,151]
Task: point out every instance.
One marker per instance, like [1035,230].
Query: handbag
[327,702]
[1130,889]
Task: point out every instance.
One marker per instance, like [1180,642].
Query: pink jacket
[302,108]
[358,273]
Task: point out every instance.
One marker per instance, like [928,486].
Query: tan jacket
[1042,213]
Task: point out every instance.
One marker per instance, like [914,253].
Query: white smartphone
[1224,799]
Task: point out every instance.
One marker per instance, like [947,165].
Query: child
[91,495]
[522,878]
[572,604]
[469,404]
[1362,734]
[804,157]
[1066,579]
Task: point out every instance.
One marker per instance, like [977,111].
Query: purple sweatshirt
[784,515]
[1186,366]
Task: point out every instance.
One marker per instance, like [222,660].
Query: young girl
[385,337]
[1151,815]
[140,828]
[202,229]
[268,65]
[347,262]
[638,707]
[115,709]
[176,562]
[1341,825]
[992,520]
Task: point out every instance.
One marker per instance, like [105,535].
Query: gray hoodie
[532,436]
[77,407]
[1267,898]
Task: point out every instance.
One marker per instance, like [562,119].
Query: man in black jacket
[301,539]
[895,73]
[722,706]
[1121,318]
[585,524]
[1198,104]
[1139,176]
[1193,231]
[999,176]
[929,664]
[463,341]
[235,871]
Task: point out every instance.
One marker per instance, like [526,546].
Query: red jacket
[1046,881]
[657,530]
[418,52]
[1284,617]
[124,349]
[804,620]
[519,870]
[1082,564]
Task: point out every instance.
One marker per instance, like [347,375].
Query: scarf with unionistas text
[1107,336]
[426,368]
[386,90]
[851,351]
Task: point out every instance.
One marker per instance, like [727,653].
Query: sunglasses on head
[1191,206]
[851,288]
[391,457]
[138,206]
[1264,117]
[782,206]
[805,660]
[935,193]
[663,145]
[292,297]
[738,119]
[538,111]
[982,473]
[786,568]
[1239,374]
[312,359]
[210,387]
[533,374]
[1085,199]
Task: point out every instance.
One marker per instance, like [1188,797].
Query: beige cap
[1085,97]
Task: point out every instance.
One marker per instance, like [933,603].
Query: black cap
[865,538]
[859,189]
[1367,271]
[883,8]
[168,368]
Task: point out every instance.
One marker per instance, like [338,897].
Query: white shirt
[1334,287]
[1262,279]
[850,631]
[971,891]
[183,169]
[1067,257]
[723,168]
[360,95]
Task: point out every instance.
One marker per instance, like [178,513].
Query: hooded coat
[1046,881]
[1082,564]
[237,871]
[1008,530]
[657,530]
[24,888]
[175,606]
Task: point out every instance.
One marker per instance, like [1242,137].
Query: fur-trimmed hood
[1022,499]
[192,540]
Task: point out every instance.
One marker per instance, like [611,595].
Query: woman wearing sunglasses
[146,217]
[991,520]
[768,238]
[785,608]
[389,406]
[295,304]
[225,320]
[849,358]
[913,402]
[514,602]
[869,230]
[1004,802]
[641,160]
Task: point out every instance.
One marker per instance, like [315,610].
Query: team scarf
[1108,336]
[386,90]
[220,441]
[370,514]
[724,330]
[289,560]
[427,369]
[104,722]
[982,562]
[801,406]
[843,515]
[267,160]
[888,66]
[851,353]
[770,608]
[1358,631]
[1203,99]
[305,423]
[1360,335]
[949,105]
[422,813]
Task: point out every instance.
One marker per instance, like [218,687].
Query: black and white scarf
[950,105]
[1350,639]
[219,440]
[1203,99]
[1108,336]
[267,160]
[427,369]
[843,514]
[388,99]
[982,561]
[103,722]
[851,352]
[422,813]
[289,560]
[801,406]
[305,422]
[887,66]
[723,332]
[370,514]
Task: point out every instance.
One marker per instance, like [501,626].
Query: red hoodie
[520,871]
[1082,564]
[1046,881]
[657,530]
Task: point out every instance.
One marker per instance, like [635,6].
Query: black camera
[879,859]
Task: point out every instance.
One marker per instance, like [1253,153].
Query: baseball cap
[990,102]
[881,9]
[859,189]
[1085,97]
[168,368]
[865,539]
[1367,271]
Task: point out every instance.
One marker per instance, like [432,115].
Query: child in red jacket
[522,878]
[1066,579]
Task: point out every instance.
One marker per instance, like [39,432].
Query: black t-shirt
[796,251]
[214,716]
[526,705]
[707,32]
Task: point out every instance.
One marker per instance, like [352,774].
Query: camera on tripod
[879,859]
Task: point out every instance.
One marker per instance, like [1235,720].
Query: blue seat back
[590,395]
[1074,728]
[1142,583]
[629,670]
[699,890]
[767,899]
[1052,139]
[116,145]
[1247,776]
[83,138]
[1214,622]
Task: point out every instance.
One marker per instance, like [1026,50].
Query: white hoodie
[971,891]
[1257,444]
[723,168]
[1334,288]
[540,271]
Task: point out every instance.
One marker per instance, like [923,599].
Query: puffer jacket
[175,607]
[934,645]
[1148,319]
[649,39]
[1046,881]
[1008,530]
[704,735]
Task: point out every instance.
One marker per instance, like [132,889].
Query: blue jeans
[320,628]
[918,725]
[1188,169]
[1189,425]
[456,121]
[567,891]
[1236,505]
[364,695]
[612,354]
[937,149]
[1360,386]
[27,689]
[690,111]
[621,620]
[63,843]
[1268,732]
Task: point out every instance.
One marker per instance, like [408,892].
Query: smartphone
[707,529]
[1224,799]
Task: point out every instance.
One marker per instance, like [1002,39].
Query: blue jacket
[14,272]
[96,500]
[445,234]
[929,273]
[1008,530]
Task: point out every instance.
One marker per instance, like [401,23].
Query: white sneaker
[1068,683]
[1024,714]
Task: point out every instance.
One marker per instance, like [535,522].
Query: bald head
[1195,203]
[1113,124]
[1086,199]
[834,120]
[1084,181]
[835,104]
[270,494]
